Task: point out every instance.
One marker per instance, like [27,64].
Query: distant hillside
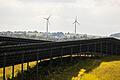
[115,35]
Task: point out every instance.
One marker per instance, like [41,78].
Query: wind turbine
[47,22]
[76,24]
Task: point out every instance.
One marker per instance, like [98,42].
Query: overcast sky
[97,17]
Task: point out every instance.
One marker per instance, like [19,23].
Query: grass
[58,71]
[17,68]
[105,68]
[109,69]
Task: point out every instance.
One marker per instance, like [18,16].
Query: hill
[117,35]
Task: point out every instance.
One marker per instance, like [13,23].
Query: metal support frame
[116,49]
[106,48]
[50,64]
[95,49]
[22,66]
[13,72]
[101,48]
[51,57]
[37,66]
[71,53]
[87,49]
[4,65]
[92,51]
[84,51]
[61,54]
[77,54]
[98,47]
[80,50]
[27,65]
[112,50]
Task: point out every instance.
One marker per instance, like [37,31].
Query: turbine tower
[76,24]
[47,23]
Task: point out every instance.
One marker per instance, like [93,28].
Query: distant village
[54,36]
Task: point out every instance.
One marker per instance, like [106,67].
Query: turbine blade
[49,16]
[78,23]
[74,22]
[44,18]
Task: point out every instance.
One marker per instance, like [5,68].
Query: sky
[96,17]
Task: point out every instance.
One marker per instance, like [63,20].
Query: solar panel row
[13,54]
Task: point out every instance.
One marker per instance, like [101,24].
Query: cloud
[95,16]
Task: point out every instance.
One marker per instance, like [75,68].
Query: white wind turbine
[47,22]
[76,22]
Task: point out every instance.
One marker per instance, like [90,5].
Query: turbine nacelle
[47,17]
[76,21]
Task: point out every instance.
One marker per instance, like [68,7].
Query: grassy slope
[109,69]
